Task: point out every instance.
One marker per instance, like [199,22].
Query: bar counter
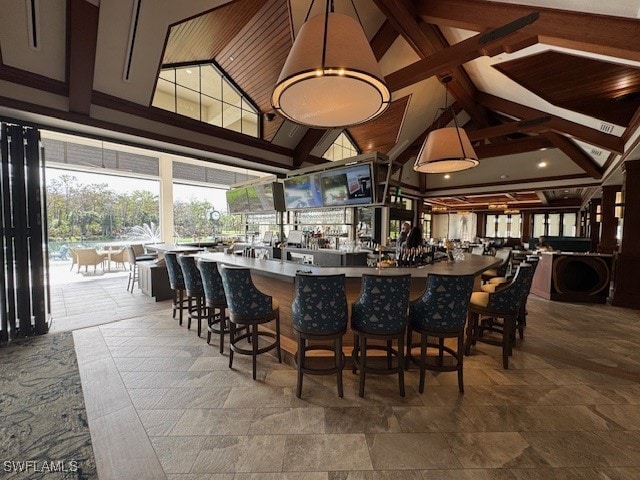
[276,278]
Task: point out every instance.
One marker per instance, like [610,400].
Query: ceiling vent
[606,127]
[135,14]
[33,23]
[596,153]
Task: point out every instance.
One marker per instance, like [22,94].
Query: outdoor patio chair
[88,256]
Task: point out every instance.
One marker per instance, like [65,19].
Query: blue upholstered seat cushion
[176,280]
[382,305]
[212,283]
[243,298]
[191,274]
[320,304]
[443,305]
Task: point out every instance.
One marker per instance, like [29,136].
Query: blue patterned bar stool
[380,313]
[319,312]
[176,281]
[194,290]
[215,300]
[499,283]
[440,312]
[249,307]
[506,304]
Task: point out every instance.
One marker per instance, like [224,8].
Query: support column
[608,242]
[526,227]
[627,284]
[594,225]
[166,198]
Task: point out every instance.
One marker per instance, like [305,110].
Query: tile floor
[162,403]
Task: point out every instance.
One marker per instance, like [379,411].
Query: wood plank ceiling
[604,90]
[252,39]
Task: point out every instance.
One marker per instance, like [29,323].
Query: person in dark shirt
[414,239]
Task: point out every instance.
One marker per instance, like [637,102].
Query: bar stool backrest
[191,275]
[503,254]
[131,256]
[510,299]
[320,304]
[174,270]
[382,304]
[243,298]
[443,305]
[212,283]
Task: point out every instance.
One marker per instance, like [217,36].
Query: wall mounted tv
[302,191]
[347,186]
[237,200]
[265,197]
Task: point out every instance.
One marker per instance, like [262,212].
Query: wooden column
[526,226]
[627,277]
[594,226]
[481,220]
[609,223]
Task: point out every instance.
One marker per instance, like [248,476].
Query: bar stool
[504,255]
[194,290]
[176,281]
[319,312]
[504,304]
[498,283]
[215,300]
[380,313]
[249,307]
[440,312]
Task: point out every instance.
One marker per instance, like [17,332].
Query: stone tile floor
[162,403]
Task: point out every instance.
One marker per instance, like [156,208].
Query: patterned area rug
[43,421]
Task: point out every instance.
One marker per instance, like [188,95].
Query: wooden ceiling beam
[383,39]
[491,42]
[81,54]
[557,124]
[426,40]
[308,142]
[575,153]
[523,126]
[603,34]
[513,147]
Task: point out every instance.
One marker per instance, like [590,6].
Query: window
[503,226]
[202,92]
[342,148]
[555,224]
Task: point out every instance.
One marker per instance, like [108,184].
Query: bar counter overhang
[277,278]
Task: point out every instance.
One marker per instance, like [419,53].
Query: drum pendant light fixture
[446,149]
[331,77]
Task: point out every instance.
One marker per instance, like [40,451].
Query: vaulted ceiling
[534,81]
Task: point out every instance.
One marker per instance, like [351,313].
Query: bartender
[543,244]
[404,233]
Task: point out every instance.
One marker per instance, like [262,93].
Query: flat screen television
[270,197]
[302,191]
[347,186]
[237,200]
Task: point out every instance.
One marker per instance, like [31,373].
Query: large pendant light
[446,149]
[331,77]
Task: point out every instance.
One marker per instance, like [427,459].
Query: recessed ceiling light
[542,164]
[504,176]
[565,197]
[189,71]
[447,176]
[566,191]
